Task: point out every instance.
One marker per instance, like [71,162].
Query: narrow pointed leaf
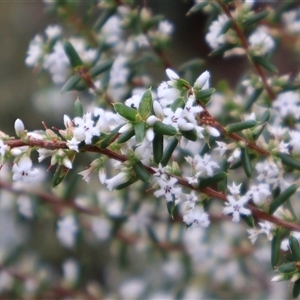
[78,109]
[158,147]
[234,127]
[125,111]
[125,136]
[295,248]
[246,161]
[296,289]
[101,68]
[145,106]
[249,220]
[190,135]
[289,161]
[140,131]
[283,197]
[110,138]
[287,268]
[126,184]
[74,59]
[264,62]
[205,182]
[255,18]
[252,98]
[171,207]
[275,248]
[169,151]
[71,83]
[141,172]
[164,129]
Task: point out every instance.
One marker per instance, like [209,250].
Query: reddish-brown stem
[117,156]
[245,45]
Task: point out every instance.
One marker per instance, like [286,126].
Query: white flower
[196,218]
[44,153]
[222,148]
[168,189]
[295,141]
[117,180]
[234,189]
[267,171]
[23,170]
[260,41]
[292,21]
[73,144]
[236,207]
[25,206]
[212,131]
[66,231]
[165,28]
[85,128]
[259,193]
[287,104]
[70,270]
[134,101]
[205,165]
[101,228]
[266,228]
[53,31]
[202,82]
[57,63]
[167,94]
[3,148]
[214,37]
[35,51]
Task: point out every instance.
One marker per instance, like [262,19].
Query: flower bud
[171,74]
[202,81]
[19,128]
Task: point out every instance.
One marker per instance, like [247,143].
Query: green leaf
[171,207]
[255,18]
[265,116]
[264,62]
[245,158]
[74,59]
[60,174]
[289,161]
[287,268]
[238,163]
[195,63]
[275,248]
[197,7]
[125,111]
[145,106]
[203,95]
[126,183]
[78,109]
[190,134]
[140,131]
[105,15]
[169,151]
[101,68]
[141,172]
[249,220]
[179,102]
[252,98]
[283,197]
[164,129]
[234,127]
[125,136]
[71,83]
[208,181]
[222,49]
[158,147]
[295,248]
[228,24]
[110,137]
[296,289]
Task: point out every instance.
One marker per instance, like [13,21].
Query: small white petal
[202,80]
[19,127]
[212,131]
[171,74]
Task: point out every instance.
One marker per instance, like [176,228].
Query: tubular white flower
[212,131]
[158,110]
[117,180]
